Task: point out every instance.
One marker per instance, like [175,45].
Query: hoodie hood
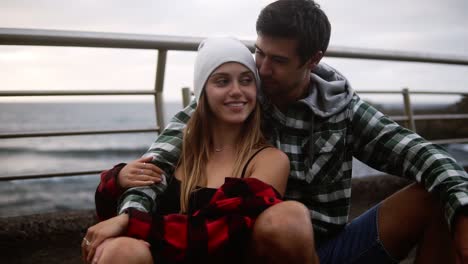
[330,91]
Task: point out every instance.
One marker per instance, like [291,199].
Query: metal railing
[163,44]
[409,117]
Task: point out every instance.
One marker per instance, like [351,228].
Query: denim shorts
[359,242]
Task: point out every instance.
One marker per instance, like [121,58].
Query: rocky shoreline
[56,237]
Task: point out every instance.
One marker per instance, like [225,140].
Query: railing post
[159,85]
[186,96]
[408,109]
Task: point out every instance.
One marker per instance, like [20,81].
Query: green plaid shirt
[321,151]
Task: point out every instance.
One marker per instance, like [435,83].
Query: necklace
[220,148]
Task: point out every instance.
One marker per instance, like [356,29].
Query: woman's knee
[283,233]
[284,220]
[126,250]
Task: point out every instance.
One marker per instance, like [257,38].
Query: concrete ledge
[56,237]
[44,238]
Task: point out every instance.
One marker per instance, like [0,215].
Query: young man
[312,114]
[321,124]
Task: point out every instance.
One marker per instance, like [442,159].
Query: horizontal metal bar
[412,92]
[77,133]
[439,93]
[49,175]
[40,37]
[379,91]
[75,93]
[399,118]
[15,36]
[441,117]
[431,117]
[376,54]
[450,141]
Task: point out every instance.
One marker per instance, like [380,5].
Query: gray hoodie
[330,91]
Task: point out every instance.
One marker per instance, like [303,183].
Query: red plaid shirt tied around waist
[218,229]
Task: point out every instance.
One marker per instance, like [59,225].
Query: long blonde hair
[198,145]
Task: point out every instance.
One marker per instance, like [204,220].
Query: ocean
[76,153]
[22,156]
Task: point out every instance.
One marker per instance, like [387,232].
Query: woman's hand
[98,233]
[139,172]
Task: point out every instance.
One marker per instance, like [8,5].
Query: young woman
[227,173]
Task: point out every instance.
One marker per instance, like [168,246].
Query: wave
[79,144]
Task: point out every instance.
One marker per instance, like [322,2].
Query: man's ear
[315,59]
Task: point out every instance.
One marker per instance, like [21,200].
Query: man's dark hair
[302,20]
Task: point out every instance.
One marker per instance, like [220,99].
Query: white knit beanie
[213,52]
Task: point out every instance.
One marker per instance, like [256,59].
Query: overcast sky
[430,26]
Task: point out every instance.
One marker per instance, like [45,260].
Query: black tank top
[169,202]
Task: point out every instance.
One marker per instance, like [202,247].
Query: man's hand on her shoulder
[140,172]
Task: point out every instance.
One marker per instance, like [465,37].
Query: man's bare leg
[413,216]
[283,234]
[436,245]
